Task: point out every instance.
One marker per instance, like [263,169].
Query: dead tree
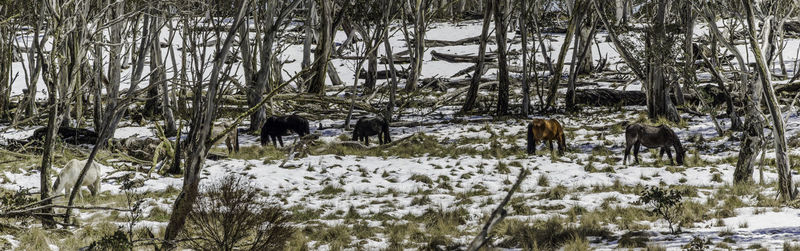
[198,140]
[753,128]
[581,47]
[258,65]
[419,10]
[785,188]
[324,44]
[556,72]
[472,94]
[526,100]
[501,10]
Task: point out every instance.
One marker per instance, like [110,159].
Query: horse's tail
[57,184]
[355,132]
[264,133]
[385,129]
[530,138]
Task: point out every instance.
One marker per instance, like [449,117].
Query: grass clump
[549,234]
[421,179]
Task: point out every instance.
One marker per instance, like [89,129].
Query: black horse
[278,126]
[652,136]
[370,126]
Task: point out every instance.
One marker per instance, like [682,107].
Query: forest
[399,124]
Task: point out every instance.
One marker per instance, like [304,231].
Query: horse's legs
[274,141]
[627,150]
[661,153]
[533,149]
[550,145]
[669,154]
[636,152]
[380,138]
[366,140]
[562,144]
[280,140]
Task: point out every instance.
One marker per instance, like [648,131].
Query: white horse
[69,176]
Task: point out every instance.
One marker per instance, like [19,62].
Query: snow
[384,184]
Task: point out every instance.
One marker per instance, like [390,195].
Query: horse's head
[680,154]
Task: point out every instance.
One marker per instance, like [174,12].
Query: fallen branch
[497,215]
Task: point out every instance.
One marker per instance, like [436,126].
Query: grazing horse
[278,126]
[652,136]
[546,129]
[231,139]
[69,176]
[370,126]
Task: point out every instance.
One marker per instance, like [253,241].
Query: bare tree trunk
[390,58]
[308,27]
[419,45]
[659,103]
[501,33]
[580,47]
[562,54]
[6,58]
[97,88]
[203,118]
[785,188]
[523,20]
[472,94]
[323,52]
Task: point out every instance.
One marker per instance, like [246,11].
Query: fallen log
[70,135]
[609,97]
[383,74]
[790,87]
[454,58]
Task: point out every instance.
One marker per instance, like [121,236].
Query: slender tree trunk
[308,27]
[785,188]
[555,79]
[578,57]
[659,103]
[97,89]
[390,58]
[501,32]
[526,99]
[419,46]
[472,93]
[204,116]
[323,52]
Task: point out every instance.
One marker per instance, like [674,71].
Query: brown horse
[546,129]
[652,136]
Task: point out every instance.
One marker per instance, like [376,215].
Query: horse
[652,136]
[69,176]
[370,126]
[231,139]
[546,129]
[278,126]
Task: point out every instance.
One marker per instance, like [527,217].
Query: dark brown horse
[652,136]
[278,126]
[546,129]
[370,126]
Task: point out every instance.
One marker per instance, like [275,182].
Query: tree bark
[658,102]
[472,94]
[785,188]
[204,115]
[501,32]
[323,52]
[562,55]
[420,28]
[526,99]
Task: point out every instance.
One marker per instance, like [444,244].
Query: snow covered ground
[471,165]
